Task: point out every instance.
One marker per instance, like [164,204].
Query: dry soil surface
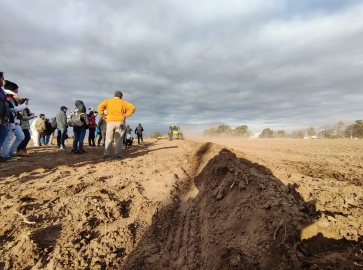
[227,204]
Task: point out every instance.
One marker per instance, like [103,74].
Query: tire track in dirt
[167,205]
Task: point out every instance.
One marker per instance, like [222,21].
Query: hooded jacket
[81,109]
[92,121]
[25,120]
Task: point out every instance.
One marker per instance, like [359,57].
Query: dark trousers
[24,143]
[139,138]
[79,134]
[3,134]
[61,136]
[91,137]
[102,137]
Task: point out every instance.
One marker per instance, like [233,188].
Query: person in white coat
[37,127]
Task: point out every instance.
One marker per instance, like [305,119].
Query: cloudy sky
[266,64]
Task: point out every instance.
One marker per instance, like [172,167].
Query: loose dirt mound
[168,205]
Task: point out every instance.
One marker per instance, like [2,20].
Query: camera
[26,99]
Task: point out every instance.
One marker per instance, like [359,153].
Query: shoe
[61,148]
[82,151]
[3,159]
[15,157]
[9,159]
[22,153]
[106,157]
[74,152]
[117,157]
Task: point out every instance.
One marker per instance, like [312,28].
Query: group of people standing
[15,127]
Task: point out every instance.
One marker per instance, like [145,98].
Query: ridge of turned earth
[166,205]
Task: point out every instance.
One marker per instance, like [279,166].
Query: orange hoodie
[115,109]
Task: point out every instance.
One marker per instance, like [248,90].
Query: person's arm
[101,109]
[64,119]
[26,117]
[87,120]
[43,125]
[130,109]
[99,123]
[20,107]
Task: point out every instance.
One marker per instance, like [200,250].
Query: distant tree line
[226,131]
[335,131]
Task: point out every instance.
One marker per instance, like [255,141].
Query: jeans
[8,149]
[24,143]
[79,134]
[3,133]
[42,140]
[61,136]
[47,137]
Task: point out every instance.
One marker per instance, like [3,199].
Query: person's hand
[125,115]
[26,102]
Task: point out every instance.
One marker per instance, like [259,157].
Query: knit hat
[8,85]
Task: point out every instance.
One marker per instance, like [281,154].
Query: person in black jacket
[4,111]
[138,131]
[80,131]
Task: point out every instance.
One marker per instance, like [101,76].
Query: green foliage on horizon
[335,131]
[156,134]
[226,131]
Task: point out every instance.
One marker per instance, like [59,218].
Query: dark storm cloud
[283,65]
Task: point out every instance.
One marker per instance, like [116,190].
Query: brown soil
[230,204]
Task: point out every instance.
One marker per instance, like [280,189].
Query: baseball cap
[63,107]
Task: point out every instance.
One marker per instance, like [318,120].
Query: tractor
[174,133]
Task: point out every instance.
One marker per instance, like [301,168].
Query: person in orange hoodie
[117,112]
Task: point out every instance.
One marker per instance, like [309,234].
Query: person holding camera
[8,148]
[25,126]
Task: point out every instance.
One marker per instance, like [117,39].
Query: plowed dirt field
[221,204]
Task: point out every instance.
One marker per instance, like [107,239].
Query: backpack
[54,123]
[74,119]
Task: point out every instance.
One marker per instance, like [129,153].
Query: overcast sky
[266,64]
